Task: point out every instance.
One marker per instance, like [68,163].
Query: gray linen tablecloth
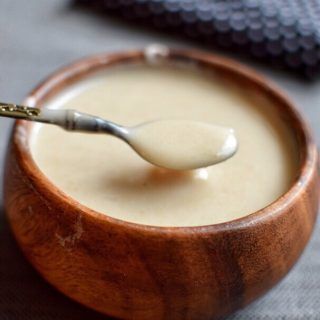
[37,37]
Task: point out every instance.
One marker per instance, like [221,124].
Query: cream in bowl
[136,241]
[104,174]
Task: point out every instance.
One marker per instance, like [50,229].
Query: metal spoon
[171,144]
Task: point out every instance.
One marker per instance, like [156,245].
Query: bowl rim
[82,68]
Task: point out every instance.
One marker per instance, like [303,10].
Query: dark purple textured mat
[282,33]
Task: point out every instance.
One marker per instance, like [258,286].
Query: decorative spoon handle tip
[16,111]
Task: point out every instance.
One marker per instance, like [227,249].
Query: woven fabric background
[37,37]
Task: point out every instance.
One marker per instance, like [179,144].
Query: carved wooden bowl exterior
[133,271]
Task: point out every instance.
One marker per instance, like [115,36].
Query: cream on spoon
[182,144]
[171,144]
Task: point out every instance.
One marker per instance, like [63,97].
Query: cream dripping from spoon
[182,144]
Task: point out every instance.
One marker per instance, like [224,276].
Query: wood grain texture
[132,271]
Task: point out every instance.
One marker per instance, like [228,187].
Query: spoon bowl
[182,144]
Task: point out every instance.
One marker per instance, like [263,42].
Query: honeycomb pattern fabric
[283,33]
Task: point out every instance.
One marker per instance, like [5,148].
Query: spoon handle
[11,110]
[70,120]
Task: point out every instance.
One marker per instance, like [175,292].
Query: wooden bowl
[134,271]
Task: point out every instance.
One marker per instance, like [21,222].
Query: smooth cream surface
[104,174]
[183,144]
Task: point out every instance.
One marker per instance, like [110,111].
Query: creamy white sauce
[104,174]
[183,144]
